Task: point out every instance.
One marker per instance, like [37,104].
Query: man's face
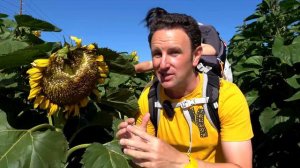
[172,58]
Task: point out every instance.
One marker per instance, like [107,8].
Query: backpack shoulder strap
[211,89]
[152,98]
[211,86]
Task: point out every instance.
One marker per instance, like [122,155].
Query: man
[176,50]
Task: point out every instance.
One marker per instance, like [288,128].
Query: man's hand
[149,151]
[124,134]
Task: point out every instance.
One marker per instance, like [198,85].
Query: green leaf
[2,15]
[115,124]
[255,60]
[117,79]
[268,118]
[253,16]
[9,45]
[287,54]
[31,148]
[121,99]
[98,155]
[251,96]
[35,24]
[26,55]
[294,81]
[8,80]
[295,96]
[238,37]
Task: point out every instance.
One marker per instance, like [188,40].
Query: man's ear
[197,55]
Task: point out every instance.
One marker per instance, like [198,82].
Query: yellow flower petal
[100,58]
[41,62]
[84,102]
[34,92]
[71,108]
[33,70]
[96,92]
[77,111]
[90,47]
[45,104]
[38,101]
[36,33]
[133,53]
[33,83]
[103,75]
[77,41]
[103,69]
[36,76]
[53,108]
[101,80]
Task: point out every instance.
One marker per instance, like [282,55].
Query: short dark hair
[158,18]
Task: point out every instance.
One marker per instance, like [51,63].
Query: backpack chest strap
[185,103]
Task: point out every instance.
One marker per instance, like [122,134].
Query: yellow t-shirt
[233,114]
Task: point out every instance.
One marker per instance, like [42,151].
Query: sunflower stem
[50,120]
[42,126]
[75,148]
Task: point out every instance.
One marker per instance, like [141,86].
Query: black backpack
[211,67]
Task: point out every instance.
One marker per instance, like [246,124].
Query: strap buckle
[186,103]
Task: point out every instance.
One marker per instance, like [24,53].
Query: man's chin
[167,84]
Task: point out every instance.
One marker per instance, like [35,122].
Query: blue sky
[117,24]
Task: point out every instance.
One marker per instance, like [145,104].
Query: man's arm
[237,154]
[207,49]
[149,151]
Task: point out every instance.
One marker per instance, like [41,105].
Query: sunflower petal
[103,68]
[84,102]
[38,101]
[76,110]
[45,104]
[66,108]
[36,76]
[34,92]
[53,108]
[33,83]
[96,92]
[77,41]
[101,80]
[33,70]
[91,47]
[103,75]
[100,58]
[41,62]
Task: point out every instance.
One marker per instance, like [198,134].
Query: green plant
[266,64]
[31,137]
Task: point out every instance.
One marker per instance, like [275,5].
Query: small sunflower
[134,55]
[67,78]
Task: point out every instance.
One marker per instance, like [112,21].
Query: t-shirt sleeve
[234,114]
[144,109]
[210,36]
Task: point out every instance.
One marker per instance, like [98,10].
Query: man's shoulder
[145,92]
[229,91]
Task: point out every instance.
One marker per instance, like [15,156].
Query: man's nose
[165,62]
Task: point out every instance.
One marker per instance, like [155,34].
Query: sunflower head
[67,78]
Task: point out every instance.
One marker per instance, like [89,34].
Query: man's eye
[156,55]
[174,53]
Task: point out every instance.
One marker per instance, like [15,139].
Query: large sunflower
[67,78]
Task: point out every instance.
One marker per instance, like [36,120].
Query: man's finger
[145,120]
[135,144]
[139,132]
[136,154]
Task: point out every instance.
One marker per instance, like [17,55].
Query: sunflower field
[60,104]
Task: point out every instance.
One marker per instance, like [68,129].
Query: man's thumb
[145,121]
